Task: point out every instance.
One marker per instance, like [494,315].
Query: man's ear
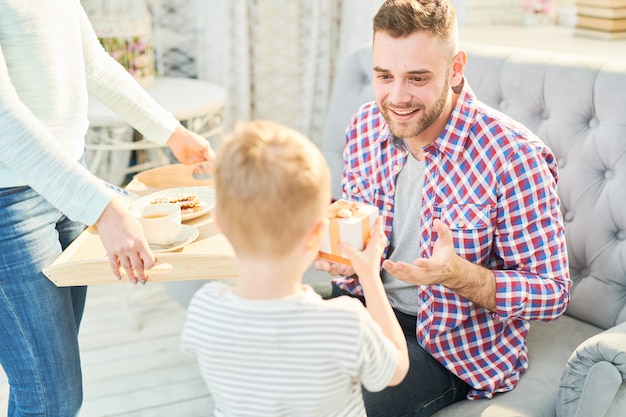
[316,234]
[458,68]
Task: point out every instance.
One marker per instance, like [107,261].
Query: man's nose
[400,92]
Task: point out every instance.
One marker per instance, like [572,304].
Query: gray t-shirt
[405,233]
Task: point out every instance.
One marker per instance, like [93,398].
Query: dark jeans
[427,388]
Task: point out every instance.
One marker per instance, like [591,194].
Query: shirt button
[396,168]
[388,207]
[461,223]
[355,190]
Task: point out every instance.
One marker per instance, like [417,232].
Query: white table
[110,142]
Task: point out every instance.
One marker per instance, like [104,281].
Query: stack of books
[602,19]
[491,12]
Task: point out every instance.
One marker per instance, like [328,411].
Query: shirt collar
[452,140]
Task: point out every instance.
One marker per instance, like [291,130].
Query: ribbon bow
[342,209]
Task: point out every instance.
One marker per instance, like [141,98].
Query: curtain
[176,36]
[277,58]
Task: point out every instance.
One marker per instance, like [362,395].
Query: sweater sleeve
[34,155]
[114,86]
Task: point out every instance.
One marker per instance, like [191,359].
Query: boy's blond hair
[272,185]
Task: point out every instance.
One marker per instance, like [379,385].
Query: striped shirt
[297,356]
[494,184]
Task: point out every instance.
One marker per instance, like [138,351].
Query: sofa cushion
[352,88]
[549,348]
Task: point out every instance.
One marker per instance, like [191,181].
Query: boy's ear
[216,221]
[315,236]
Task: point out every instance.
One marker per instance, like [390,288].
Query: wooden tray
[210,256]
[171,176]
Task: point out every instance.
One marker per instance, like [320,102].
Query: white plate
[187,235]
[205,194]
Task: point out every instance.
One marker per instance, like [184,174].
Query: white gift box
[350,223]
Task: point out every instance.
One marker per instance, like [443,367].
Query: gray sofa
[577,105]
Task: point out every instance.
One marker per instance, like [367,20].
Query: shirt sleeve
[378,357]
[533,282]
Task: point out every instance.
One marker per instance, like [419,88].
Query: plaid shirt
[494,184]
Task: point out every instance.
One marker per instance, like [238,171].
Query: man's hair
[401,18]
[272,184]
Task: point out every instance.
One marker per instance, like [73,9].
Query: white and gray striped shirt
[295,356]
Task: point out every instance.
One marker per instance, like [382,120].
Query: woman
[50,58]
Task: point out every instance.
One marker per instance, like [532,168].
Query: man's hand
[189,147]
[333,268]
[434,270]
[445,267]
[124,242]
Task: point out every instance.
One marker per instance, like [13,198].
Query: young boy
[271,346]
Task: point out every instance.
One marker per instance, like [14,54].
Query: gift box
[351,223]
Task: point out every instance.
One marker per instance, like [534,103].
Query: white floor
[132,364]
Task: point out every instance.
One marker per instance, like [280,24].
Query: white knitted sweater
[49,59]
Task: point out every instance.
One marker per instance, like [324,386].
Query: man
[477,245]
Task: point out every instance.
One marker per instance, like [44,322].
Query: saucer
[187,235]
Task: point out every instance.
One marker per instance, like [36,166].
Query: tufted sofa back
[577,105]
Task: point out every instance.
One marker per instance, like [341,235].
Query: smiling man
[476,239]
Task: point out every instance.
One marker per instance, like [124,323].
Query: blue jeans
[427,388]
[38,321]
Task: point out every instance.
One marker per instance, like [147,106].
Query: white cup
[160,222]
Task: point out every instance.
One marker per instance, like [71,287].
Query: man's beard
[416,127]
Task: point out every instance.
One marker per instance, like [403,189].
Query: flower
[135,54]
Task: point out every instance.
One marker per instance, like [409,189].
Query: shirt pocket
[359,189]
[472,229]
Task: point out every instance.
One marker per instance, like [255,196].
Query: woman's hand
[124,242]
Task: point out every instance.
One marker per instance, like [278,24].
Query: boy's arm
[367,266]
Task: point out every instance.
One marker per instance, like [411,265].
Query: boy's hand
[366,263]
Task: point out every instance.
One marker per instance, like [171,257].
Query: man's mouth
[404,112]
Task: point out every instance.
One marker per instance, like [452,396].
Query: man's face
[412,83]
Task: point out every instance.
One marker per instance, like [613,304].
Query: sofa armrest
[593,375]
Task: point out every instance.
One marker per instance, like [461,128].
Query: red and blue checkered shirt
[494,184]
